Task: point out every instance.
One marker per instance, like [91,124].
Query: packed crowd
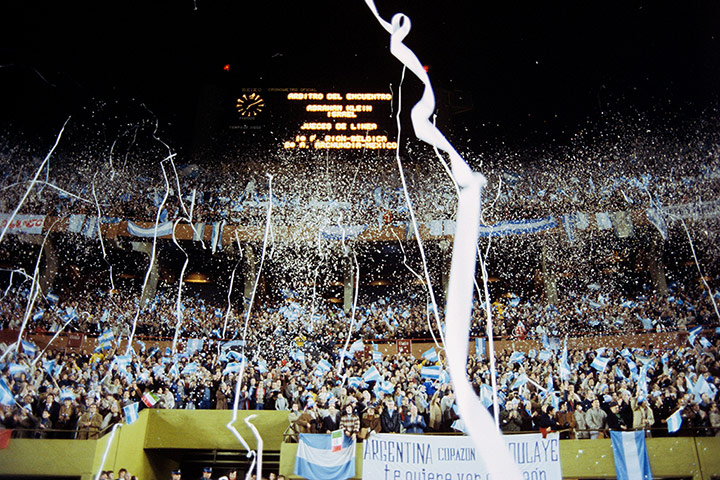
[644,173]
[385,318]
[66,394]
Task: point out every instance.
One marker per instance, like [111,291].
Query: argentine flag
[357,346]
[355,382]
[693,333]
[516,357]
[674,421]
[600,363]
[430,355]
[479,347]
[315,458]
[232,367]
[631,457]
[371,375]
[6,396]
[29,348]
[430,372]
[131,412]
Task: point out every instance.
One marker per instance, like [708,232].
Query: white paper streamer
[259,447]
[102,243]
[152,255]
[34,291]
[33,181]
[230,425]
[487,439]
[107,449]
[351,326]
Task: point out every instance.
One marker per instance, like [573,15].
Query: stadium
[243,241]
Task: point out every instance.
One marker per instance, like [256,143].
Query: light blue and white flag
[216,238]
[198,231]
[630,454]
[357,346]
[324,366]
[190,368]
[701,386]
[16,369]
[564,367]
[29,348]
[544,355]
[693,333]
[105,340]
[480,347]
[194,345]
[377,357]
[75,223]
[432,373]
[131,412]
[521,380]
[486,395]
[430,355]
[67,393]
[516,357]
[38,315]
[674,421]
[6,396]
[232,367]
[517,227]
[371,375]
[355,382]
[600,363]
[386,387]
[316,458]
[705,342]
[163,229]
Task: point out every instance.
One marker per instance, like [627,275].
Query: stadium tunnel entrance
[192,461]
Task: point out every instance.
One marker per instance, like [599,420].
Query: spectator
[414,422]
[390,418]
[350,423]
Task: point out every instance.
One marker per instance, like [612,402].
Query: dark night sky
[532,69]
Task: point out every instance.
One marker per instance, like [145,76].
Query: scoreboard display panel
[303,119]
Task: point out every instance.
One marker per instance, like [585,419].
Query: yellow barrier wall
[141,448]
[48,457]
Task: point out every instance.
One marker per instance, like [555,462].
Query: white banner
[435,457]
[694,211]
[23,223]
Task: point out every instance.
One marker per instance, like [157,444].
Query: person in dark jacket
[331,421]
[390,418]
[414,422]
[615,421]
